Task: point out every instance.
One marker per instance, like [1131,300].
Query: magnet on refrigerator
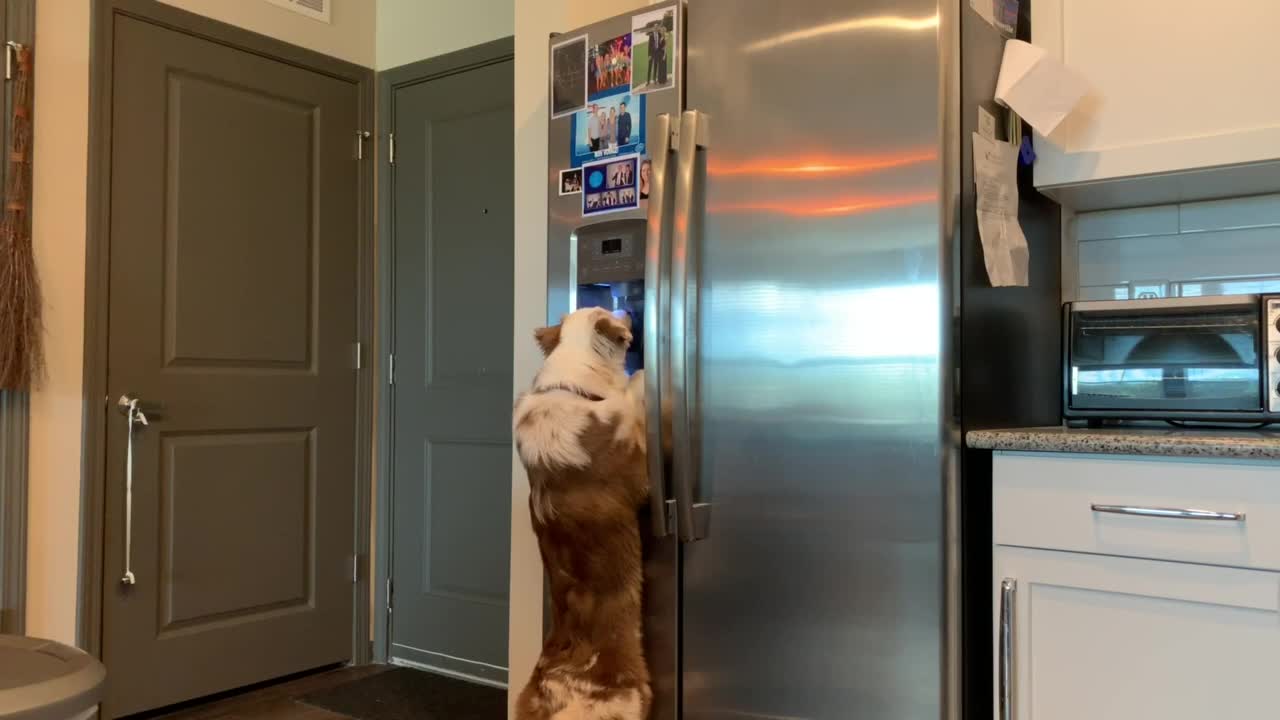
[612,126]
[610,185]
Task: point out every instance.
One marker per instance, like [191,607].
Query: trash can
[45,680]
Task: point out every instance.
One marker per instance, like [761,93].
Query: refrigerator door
[816,589]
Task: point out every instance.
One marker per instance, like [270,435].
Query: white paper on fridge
[1000,14]
[1004,247]
[1040,89]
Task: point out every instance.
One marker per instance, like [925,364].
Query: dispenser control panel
[611,252]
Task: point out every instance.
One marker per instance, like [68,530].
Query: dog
[580,432]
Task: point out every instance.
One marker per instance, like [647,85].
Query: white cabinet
[1138,587]
[1108,638]
[1176,86]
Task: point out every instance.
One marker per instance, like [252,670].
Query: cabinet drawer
[1048,500]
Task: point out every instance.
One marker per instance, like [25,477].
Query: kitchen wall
[412,30]
[59,208]
[1201,248]
[58,225]
[348,35]
[534,23]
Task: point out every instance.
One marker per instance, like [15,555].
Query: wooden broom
[21,349]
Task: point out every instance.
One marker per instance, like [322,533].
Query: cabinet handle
[1008,589]
[1176,513]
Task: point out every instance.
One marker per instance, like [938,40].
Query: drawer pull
[1176,513]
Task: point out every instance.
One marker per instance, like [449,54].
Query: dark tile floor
[274,701]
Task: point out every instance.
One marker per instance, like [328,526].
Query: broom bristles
[21,346]
[21,352]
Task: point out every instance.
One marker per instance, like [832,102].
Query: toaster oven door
[1155,359]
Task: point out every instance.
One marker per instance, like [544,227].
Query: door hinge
[390,590]
[391,369]
[391,148]
[357,352]
[355,569]
[361,136]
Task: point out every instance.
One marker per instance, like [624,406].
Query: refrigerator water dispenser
[607,264]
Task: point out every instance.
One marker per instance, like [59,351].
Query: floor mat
[406,694]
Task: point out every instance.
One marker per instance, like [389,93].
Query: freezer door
[602,70]
[815,589]
[586,76]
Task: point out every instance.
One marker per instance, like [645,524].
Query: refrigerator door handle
[657,301]
[692,521]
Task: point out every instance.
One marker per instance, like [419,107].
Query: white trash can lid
[45,680]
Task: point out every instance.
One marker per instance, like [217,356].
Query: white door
[1108,638]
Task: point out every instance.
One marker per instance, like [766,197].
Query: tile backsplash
[1218,247]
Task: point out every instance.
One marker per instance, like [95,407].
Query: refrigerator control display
[612,246]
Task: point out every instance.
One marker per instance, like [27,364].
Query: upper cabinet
[1183,104]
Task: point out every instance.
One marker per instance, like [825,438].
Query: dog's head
[589,330]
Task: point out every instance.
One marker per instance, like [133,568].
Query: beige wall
[412,30]
[534,22]
[349,34]
[58,224]
[61,159]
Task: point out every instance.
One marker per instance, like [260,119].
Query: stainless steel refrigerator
[788,213]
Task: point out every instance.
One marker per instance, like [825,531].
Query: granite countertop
[1178,442]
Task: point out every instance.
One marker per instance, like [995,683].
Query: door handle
[1008,596]
[691,521]
[1173,513]
[131,408]
[657,301]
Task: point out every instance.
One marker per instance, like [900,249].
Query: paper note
[1004,247]
[1040,89]
[1000,14]
[986,124]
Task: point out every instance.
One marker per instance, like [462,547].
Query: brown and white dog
[580,432]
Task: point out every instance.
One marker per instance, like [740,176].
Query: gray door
[233,261]
[451,492]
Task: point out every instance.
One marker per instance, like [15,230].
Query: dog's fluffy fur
[580,432]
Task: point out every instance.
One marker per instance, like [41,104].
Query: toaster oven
[1208,359]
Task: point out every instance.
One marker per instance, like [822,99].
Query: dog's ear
[617,329]
[548,338]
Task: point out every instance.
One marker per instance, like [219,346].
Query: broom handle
[15,200]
